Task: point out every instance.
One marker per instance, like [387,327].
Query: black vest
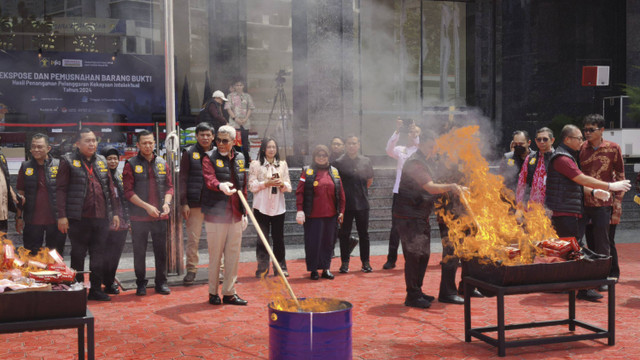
[563,195]
[7,179]
[30,169]
[140,169]
[124,204]
[413,200]
[78,179]
[307,198]
[216,202]
[195,180]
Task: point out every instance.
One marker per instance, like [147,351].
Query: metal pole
[175,251]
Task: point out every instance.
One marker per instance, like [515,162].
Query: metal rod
[266,246]
[466,204]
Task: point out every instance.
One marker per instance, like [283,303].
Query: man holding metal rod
[224,215]
[412,209]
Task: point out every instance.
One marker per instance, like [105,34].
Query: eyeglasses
[543,140]
[322,155]
[579,138]
[589,130]
[223,141]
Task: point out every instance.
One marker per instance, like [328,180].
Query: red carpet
[184,326]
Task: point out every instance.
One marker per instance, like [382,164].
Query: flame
[489,223]
[29,262]
[280,299]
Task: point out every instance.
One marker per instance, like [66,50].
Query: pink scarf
[538,185]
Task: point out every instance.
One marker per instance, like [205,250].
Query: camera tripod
[284,116]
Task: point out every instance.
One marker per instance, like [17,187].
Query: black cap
[109,150]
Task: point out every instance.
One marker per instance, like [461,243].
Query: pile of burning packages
[551,250]
[46,271]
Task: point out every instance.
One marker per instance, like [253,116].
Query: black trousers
[114,246]
[33,237]
[89,234]
[569,226]
[394,238]
[449,264]
[415,236]
[318,242]
[140,231]
[276,224]
[596,220]
[615,266]
[362,224]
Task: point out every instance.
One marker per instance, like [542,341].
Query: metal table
[501,291]
[55,324]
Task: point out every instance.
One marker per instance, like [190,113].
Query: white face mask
[223,154]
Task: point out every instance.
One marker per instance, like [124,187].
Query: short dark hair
[545,129]
[521,132]
[204,126]
[566,131]
[337,137]
[352,136]
[594,119]
[37,136]
[263,148]
[84,130]
[142,133]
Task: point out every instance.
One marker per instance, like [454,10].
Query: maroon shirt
[234,210]
[128,183]
[324,195]
[94,205]
[42,214]
[605,164]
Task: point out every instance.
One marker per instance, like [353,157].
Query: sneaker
[589,295]
[420,303]
[189,278]
[389,265]
[112,289]
[366,267]
[163,289]
[141,290]
[98,295]
[344,268]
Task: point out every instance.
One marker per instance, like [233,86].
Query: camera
[274,190]
[406,125]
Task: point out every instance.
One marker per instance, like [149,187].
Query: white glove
[622,185]
[245,222]
[226,188]
[601,194]
[300,217]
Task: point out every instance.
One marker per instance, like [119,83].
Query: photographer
[268,181]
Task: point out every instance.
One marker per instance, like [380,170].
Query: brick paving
[184,326]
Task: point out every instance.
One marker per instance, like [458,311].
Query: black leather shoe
[163,289]
[214,299]
[451,299]
[141,290]
[420,303]
[327,275]
[189,278]
[344,268]
[366,267]
[429,298]
[314,275]
[389,265]
[98,295]
[113,289]
[476,294]
[589,295]
[233,300]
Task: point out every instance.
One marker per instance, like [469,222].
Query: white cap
[219,94]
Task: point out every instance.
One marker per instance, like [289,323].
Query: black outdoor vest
[124,204]
[195,180]
[563,195]
[30,168]
[307,198]
[215,202]
[413,200]
[5,170]
[140,169]
[78,179]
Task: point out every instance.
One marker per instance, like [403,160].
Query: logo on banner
[138,169]
[28,172]
[77,163]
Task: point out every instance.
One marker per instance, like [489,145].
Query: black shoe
[451,299]
[589,295]
[327,275]
[366,267]
[420,302]
[163,289]
[314,275]
[233,300]
[389,265]
[142,288]
[189,278]
[98,295]
[344,268]
[603,288]
[113,289]
[429,298]
[262,273]
[214,299]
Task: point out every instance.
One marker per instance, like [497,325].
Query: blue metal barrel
[311,335]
